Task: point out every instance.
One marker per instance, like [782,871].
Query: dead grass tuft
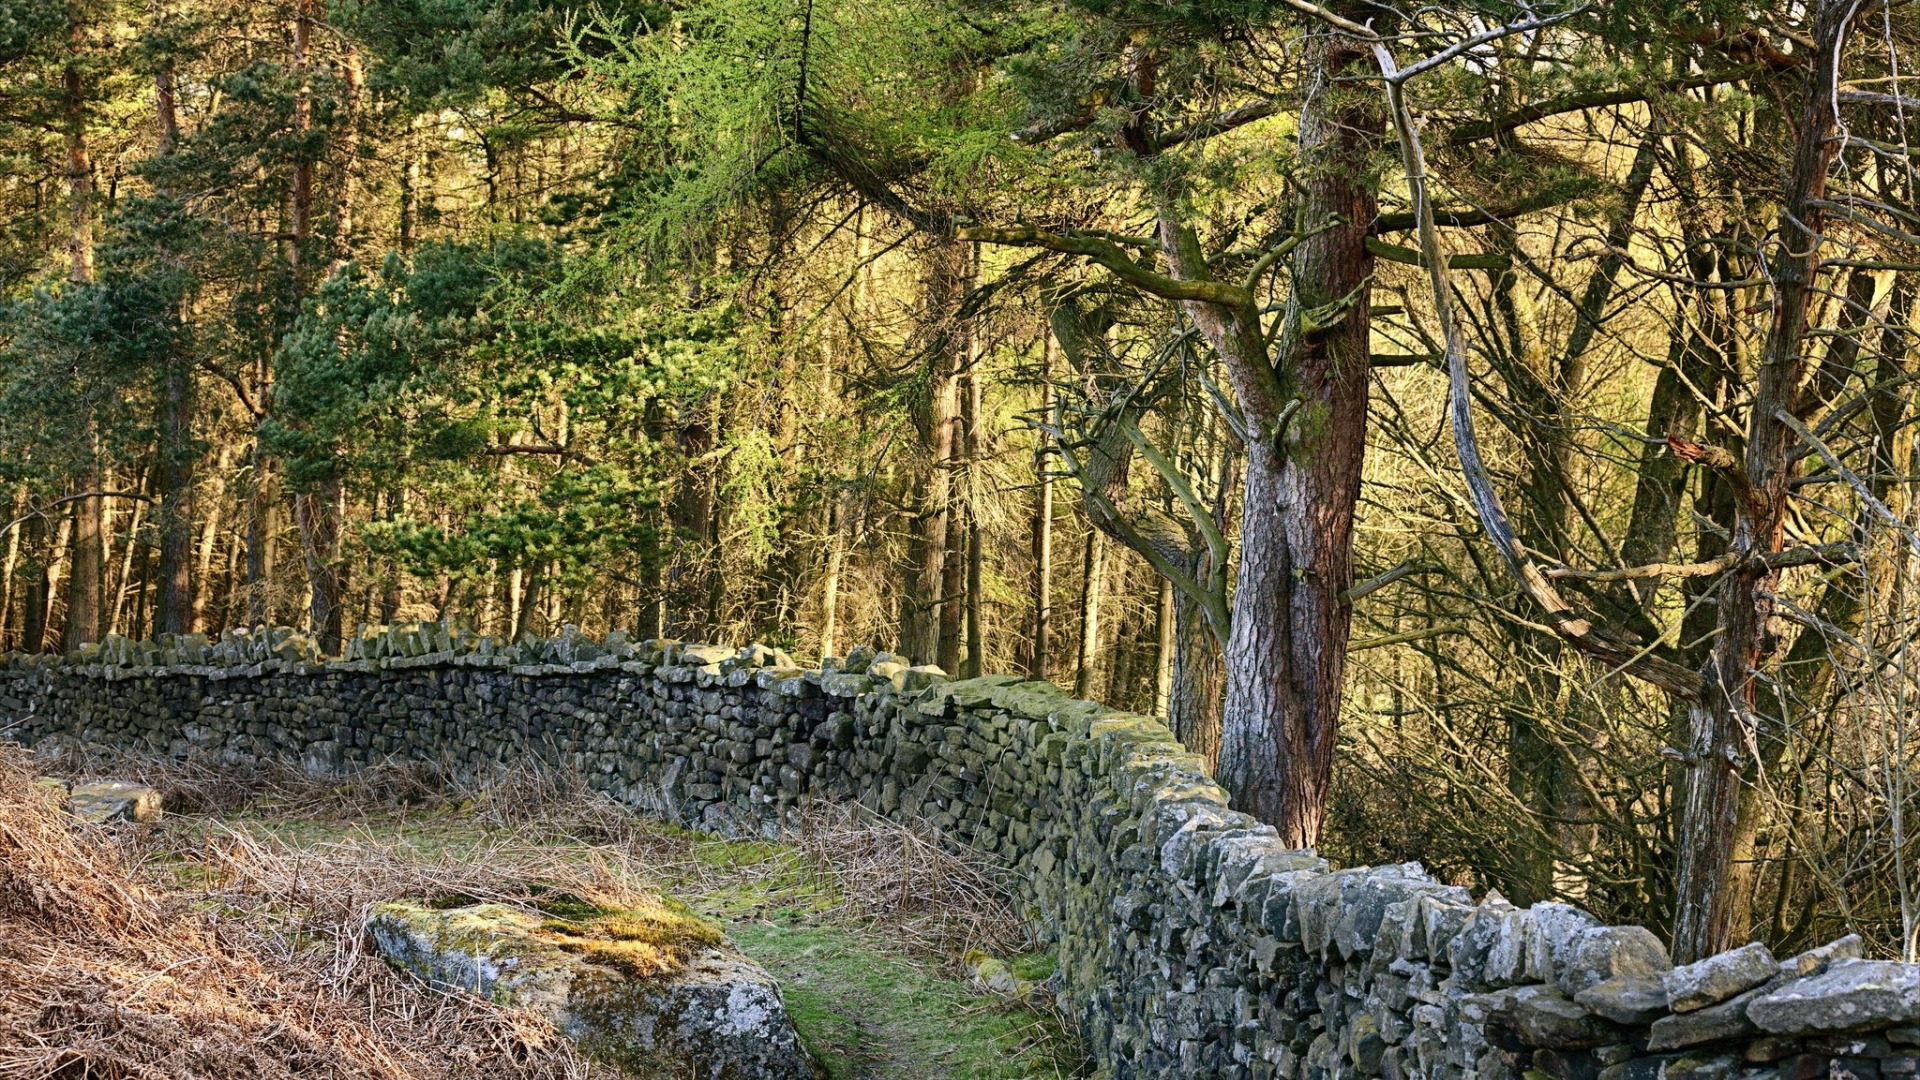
[101,977]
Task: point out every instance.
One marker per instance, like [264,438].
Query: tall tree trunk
[260,538]
[1286,654]
[953,583]
[86,572]
[347,134]
[830,592]
[1717,752]
[1039,646]
[1092,582]
[922,607]
[975,665]
[39,591]
[300,232]
[175,516]
[85,577]
[79,159]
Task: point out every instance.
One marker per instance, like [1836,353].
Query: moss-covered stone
[650,989]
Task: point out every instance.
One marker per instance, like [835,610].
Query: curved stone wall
[1192,943]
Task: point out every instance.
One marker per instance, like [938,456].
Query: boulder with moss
[652,989]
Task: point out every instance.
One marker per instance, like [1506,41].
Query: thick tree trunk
[1717,752]
[86,573]
[39,590]
[922,608]
[1199,682]
[1286,655]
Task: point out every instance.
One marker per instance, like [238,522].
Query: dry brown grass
[924,893]
[242,955]
[103,977]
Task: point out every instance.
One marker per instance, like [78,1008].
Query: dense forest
[1485,430]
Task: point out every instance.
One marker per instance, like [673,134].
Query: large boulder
[113,800]
[652,990]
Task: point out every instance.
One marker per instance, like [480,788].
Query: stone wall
[1192,943]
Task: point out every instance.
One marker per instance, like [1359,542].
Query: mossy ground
[869,1007]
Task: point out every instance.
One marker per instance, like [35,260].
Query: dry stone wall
[1192,943]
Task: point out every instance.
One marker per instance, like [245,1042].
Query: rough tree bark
[922,604]
[85,579]
[177,457]
[1286,658]
[1722,719]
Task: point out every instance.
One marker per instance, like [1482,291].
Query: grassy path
[872,1014]
[871,1002]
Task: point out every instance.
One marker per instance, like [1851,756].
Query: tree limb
[1592,99]
[1577,631]
[1771,560]
[1407,255]
[1111,256]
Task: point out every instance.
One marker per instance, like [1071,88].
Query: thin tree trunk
[126,584]
[175,515]
[9,586]
[1165,645]
[1038,656]
[976,593]
[347,134]
[953,583]
[260,539]
[830,598]
[1093,573]
[79,159]
[209,541]
[301,197]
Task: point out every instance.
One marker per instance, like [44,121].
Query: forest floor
[864,923]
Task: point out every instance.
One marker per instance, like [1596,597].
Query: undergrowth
[286,866]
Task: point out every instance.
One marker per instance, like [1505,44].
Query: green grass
[867,1009]
[871,1014]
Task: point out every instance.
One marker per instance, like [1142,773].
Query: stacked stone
[1193,944]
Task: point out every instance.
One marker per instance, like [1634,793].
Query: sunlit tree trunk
[1092,585]
[1286,655]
